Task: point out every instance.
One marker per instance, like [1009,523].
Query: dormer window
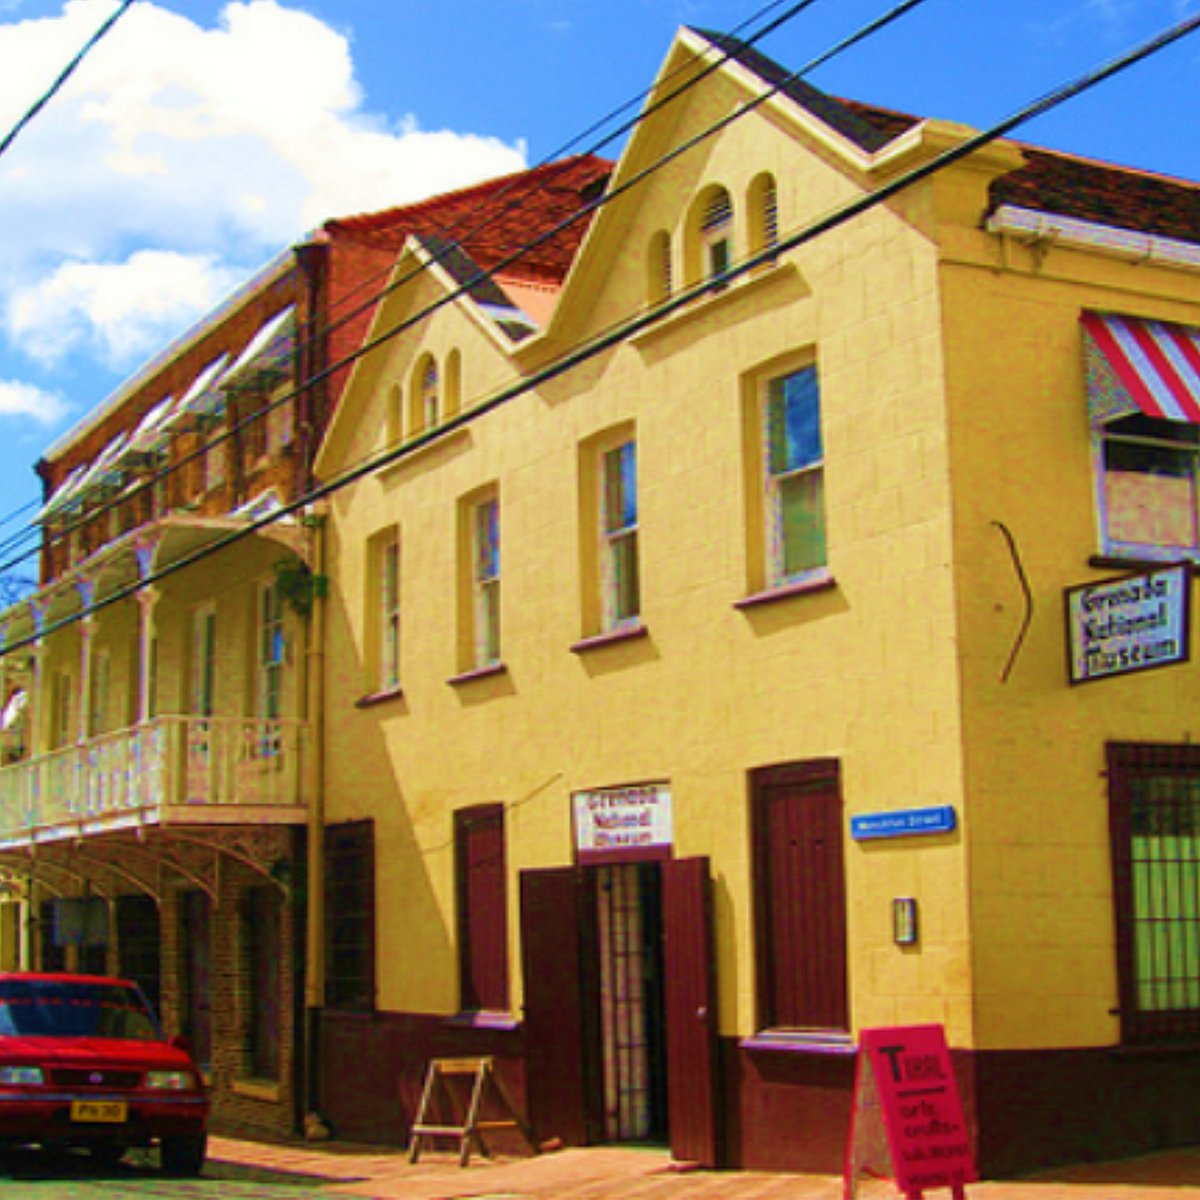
[425,399]
[762,206]
[659,281]
[716,235]
[708,238]
[429,396]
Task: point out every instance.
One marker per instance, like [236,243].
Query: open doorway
[632,1017]
[591,1077]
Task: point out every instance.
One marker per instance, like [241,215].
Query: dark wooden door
[693,1097]
[197,956]
[561,1048]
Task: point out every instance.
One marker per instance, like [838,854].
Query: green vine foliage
[298,586]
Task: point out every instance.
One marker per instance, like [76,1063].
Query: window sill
[484,1019]
[374,698]
[818,583]
[258,1089]
[722,292]
[478,673]
[420,445]
[614,637]
[1135,561]
[798,1041]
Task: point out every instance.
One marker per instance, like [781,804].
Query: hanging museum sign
[623,823]
[1134,623]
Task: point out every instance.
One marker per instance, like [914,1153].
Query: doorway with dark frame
[195,929]
[620,1004]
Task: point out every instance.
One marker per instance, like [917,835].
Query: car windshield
[67,1008]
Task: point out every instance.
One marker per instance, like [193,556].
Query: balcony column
[148,598]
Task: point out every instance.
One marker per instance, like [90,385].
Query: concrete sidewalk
[630,1173]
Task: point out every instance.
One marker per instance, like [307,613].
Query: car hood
[93,1052]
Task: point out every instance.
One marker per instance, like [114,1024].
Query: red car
[83,1063]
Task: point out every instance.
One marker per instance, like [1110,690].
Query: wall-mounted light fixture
[904,921]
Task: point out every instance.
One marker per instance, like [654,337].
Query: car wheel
[183,1155]
[106,1154]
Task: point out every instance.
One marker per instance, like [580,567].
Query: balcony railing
[171,768]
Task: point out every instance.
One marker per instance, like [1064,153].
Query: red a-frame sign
[907,1123]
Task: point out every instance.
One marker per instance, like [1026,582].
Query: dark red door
[691,1013]
[561,1028]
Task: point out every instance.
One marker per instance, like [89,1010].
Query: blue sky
[200,138]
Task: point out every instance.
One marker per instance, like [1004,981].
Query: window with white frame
[485,580]
[430,401]
[793,460]
[271,652]
[387,567]
[620,584]
[204,661]
[1149,477]
[101,688]
[1143,392]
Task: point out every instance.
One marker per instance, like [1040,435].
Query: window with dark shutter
[800,897]
[482,908]
[350,915]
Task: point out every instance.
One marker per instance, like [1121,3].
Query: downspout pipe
[314,953]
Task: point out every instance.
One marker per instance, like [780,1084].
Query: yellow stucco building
[697,690]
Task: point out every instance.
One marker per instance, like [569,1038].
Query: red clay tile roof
[1054,182]
[494,218]
[1100,192]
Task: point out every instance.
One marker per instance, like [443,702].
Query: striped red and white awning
[1134,365]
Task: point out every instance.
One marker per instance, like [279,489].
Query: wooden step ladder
[485,1084]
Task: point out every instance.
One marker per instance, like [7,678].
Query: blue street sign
[905,822]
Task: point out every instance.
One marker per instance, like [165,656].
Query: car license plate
[99,1110]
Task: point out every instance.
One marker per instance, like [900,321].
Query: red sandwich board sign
[907,1123]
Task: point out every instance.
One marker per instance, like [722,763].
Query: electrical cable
[64,75]
[482,276]
[631,326]
[41,543]
[569,148]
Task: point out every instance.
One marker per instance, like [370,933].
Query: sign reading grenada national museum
[623,823]
[1134,623]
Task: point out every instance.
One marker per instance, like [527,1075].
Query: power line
[64,75]
[872,27]
[794,10]
[633,325]
[569,147]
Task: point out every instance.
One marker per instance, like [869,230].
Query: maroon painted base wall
[1040,1108]
[785,1111]
[788,1111]
[372,1069]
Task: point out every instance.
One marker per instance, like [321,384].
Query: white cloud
[119,312]
[219,145]
[19,399]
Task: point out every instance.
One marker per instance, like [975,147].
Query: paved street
[240,1170]
[35,1176]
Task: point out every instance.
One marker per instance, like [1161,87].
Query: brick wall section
[240,1104]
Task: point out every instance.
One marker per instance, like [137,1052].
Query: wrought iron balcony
[169,771]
